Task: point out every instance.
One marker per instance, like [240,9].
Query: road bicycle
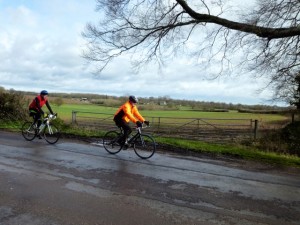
[47,130]
[143,144]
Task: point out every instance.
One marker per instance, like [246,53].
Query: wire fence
[206,129]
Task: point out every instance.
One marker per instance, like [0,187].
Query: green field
[65,113]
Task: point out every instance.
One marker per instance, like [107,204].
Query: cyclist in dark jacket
[126,113]
[35,107]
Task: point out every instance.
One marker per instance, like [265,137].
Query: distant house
[162,103]
[83,99]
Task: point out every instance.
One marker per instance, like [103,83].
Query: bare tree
[295,99]
[290,91]
[266,40]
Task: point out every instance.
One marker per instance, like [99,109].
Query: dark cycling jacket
[128,112]
[37,104]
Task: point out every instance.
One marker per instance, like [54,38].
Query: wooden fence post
[74,117]
[158,122]
[255,129]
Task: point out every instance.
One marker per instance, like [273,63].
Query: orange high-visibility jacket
[128,112]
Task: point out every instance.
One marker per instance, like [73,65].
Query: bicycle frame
[137,134]
[47,130]
[143,144]
[46,123]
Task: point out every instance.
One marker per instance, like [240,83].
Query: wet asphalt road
[80,183]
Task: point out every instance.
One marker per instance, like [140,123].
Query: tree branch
[263,32]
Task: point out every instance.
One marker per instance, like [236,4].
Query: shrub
[13,106]
[291,135]
[272,141]
[284,141]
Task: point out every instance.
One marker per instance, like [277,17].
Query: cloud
[41,48]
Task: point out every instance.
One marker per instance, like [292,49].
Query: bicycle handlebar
[50,117]
[139,129]
[143,126]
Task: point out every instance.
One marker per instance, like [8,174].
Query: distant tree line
[165,102]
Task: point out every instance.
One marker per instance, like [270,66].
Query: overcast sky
[41,47]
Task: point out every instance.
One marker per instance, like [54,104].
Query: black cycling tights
[126,128]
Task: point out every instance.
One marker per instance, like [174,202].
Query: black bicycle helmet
[133,99]
[44,92]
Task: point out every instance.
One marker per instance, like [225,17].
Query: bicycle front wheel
[144,146]
[29,131]
[51,134]
[110,142]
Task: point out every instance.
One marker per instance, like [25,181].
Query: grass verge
[238,151]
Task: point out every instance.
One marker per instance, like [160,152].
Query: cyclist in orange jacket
[35,107]
[126,113]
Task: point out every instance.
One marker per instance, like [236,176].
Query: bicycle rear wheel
[144,146]
[29,130]
[110,142]
[51,134]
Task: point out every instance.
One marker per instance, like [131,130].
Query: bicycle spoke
[51,134]
[144,146]
[110,142]
[29,131]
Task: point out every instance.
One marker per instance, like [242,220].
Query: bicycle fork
[43,127]
[141,140]
[50,129]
